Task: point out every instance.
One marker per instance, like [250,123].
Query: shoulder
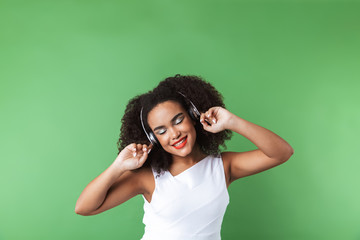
[226,159]
[144,178]
[226,163]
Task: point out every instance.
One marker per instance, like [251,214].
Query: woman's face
[173,127]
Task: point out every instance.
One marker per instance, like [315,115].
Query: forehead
[164,112]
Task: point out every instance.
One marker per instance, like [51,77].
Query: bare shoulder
[145,180]
[226,162]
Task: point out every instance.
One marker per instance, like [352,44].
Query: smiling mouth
[180,143]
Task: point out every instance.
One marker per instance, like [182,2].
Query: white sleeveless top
[188,206]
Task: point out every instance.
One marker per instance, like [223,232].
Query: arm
[115,185]
[272,149]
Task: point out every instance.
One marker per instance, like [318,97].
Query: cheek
[192,130]
[162,140]
[194,135]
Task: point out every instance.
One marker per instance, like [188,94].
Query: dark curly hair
[200,92]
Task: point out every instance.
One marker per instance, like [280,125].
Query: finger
[208,118]
[210,115]
[213,119]
[139,147]
[150,147]
[204,120]
[135,151]
[202,117]
[143,158]
[144,148]
[206,126]
[131,146]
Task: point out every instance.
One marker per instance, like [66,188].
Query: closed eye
[178,121]
[161,132]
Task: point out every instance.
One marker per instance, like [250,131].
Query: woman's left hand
[218,117]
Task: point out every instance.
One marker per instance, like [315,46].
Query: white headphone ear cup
[150,135]
[194,113]
[191,113]
[153,139]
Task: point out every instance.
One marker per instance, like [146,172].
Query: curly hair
[195,88]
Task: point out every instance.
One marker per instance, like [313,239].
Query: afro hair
[197,90]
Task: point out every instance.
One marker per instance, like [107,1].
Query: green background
[68,68]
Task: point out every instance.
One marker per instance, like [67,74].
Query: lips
[179,140]
[181,143]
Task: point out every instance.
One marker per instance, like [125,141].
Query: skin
[117,184]
[171,132]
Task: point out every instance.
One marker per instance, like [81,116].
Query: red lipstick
[181,144]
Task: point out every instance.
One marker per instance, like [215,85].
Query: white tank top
[188,206]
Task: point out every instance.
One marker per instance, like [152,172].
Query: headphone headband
[194,109]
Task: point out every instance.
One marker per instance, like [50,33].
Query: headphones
[192,111]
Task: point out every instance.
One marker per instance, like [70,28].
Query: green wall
[68,68]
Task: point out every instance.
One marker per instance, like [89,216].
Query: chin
[183,152]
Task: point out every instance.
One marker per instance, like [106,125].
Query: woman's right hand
[132,156]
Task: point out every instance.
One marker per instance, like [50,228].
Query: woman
[184,180]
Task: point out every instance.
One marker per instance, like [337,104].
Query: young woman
[184,180]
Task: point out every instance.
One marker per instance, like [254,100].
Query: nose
[175,133]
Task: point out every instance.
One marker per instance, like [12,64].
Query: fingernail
[134,154]
[214,121]
[145,149]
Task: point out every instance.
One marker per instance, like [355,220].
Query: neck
[195,156]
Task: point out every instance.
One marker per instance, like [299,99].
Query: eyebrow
[172,120]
